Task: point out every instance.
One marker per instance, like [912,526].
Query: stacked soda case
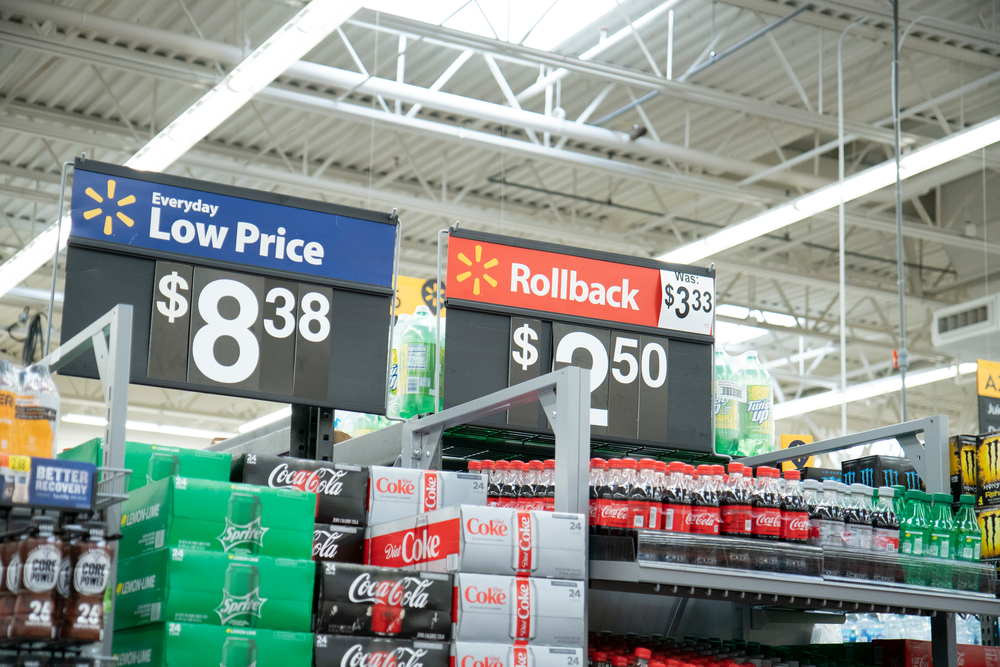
[54,579]
[215,573]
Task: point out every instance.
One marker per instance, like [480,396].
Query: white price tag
[687,302]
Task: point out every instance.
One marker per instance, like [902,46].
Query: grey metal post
[903,357]
[572,430]
[55,255]
[944,640]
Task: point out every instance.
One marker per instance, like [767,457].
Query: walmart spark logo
[94,212]
[462,277]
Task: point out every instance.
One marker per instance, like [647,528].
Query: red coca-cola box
[341,490]
[376,601]
[487,540]
[474,654]
[911,653]
[502,609]
[342,651]
[339,544]
[396,493]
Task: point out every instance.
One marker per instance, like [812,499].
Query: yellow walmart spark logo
[462,277]
[94,212]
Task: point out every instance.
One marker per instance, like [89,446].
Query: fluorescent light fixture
[735,312]
[167,429]
[866,390]
[88,420]
[289,44]
[266,419]
[727,333]
[858,185]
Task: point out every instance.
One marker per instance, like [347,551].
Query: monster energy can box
[341,490]
[336,651]
[962,456]
[882,471]
[217,516]
[150,463]
[215,589]
[381,601]
[189,645]
[989,524]
[988,469]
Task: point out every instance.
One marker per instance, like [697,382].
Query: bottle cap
[860,488]
[600,656]
[811,484]
[735,467]
[630,463]
[549,464]
[793,474]
[614,463]
[914,495]
[518,465]
[676,466]
[647,463]
[829,485]
[503,465]
[486,464]
[619,661]
[643,653]
[718,470]
[688,469]
[598,463]
[967,499]
[661,466]
[535,465]
[943,498]
[475,466]
[886,492]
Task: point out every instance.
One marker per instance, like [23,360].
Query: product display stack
[519,574]
[212,572]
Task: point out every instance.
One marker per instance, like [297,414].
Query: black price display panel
[233,291]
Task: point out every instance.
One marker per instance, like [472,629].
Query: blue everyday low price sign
[162,216]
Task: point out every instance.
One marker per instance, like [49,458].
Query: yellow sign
[799,463]
[988,378]
[413,292]
[98,199]
[20,464]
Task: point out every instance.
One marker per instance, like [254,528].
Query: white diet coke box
[502,609]
[473,654]
[489,540]
[395,493]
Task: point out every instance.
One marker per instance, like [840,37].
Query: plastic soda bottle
[915,528]
[942,527]
[418,362]
[392,404]
[968,536]
[757,417]
[730,398]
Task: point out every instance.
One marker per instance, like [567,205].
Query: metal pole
[392,313]
[900,270]
[670,45]
[437,320]
[842,228]
[55,255]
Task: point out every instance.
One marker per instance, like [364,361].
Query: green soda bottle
[942,527]
[968,536]
[418,365]
[730,399]
[757,416]
[394,395]
[915,529]
[899,502]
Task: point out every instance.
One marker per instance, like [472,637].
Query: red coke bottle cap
[486,464]
[643,653]
[534,465]
[475,466]
[549,464]
[597,463]
[793,474]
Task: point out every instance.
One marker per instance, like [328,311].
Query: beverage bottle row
[929,528]
[744,402]
[519,485]
[855,517]
[627,494]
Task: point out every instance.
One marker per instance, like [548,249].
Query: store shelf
[783,590]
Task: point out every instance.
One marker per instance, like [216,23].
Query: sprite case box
[215,589]
[191,645]
[150,463]
[239,519]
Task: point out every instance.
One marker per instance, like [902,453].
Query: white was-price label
[687,302]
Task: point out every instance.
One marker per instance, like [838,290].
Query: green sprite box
[202,515]
[191,645]
[150,463]
[215,589]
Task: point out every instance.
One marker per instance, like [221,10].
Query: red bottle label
[676,518]
[549,505]
[594,502]
[614,514]
[814,532]
[767,521]
[643,514]
[795,526]
[737,520]
[705,520]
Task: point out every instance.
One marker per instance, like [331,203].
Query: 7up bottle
[392,403]
[418,363]
[730,400]
[757,415]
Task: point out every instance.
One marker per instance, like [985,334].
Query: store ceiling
[104,77]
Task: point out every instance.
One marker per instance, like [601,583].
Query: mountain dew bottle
[730,399]
[392,404]
[418,362]
[757,415]
[440,387]
[968,535]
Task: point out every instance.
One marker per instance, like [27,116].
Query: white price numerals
[626,373]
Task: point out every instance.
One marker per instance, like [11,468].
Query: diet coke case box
[361,600]
[474,654]
[396,493]
[502,609]
[488,540]
[340,490]
[339,544]
[338,651]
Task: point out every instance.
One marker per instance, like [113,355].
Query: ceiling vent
[967,331]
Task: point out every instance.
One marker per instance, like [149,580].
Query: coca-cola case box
[475,654]
[487,540]
[502,609]
[340,651]
[911,653]
[340,489]
[340,544]
[376,601]
[396,493]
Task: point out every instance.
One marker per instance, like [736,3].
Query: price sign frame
[344,368]
[489,334]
